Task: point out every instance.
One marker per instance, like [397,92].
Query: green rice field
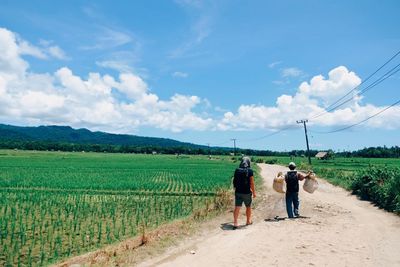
[55,205]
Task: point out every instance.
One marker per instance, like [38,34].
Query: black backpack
[292,182]
[241,180]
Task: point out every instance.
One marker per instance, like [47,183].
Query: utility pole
[209,152]
[234,146]
[305,131]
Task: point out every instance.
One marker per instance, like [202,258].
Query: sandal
[249,223]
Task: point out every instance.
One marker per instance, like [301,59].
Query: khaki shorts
[240,198]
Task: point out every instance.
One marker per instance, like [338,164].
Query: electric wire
[387,75]
[268,135]
[360,122]
[331,106]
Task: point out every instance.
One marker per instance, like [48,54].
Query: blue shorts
[240,198]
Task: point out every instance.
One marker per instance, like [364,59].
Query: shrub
[271,161]
[336,177]
[379,185]
[259,160]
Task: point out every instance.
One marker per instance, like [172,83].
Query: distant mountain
[66,134]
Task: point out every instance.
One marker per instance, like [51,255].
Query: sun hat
[292,164]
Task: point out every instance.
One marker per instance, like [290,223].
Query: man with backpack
[292,178]
[243,182]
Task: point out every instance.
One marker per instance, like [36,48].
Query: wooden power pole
[305,131]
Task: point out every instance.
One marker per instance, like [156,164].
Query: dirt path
[340,231]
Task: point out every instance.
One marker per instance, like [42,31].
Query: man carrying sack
[292,178]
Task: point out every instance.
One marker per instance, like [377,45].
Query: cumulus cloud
[66,98]
[339,82]
[124,103]
[311,99]
[13,45]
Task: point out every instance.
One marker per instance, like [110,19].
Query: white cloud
[107,38]
[124,103]
[274,64]
[122,61]
[48,50]
[340,81]
[310,100]
[200,29]
[115,65]
[291,72]
[180,74]
[68,99]
[11,64]
[57,52]
[26,48]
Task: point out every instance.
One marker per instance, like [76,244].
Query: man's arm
[252,187]
[234,180]
[301,177]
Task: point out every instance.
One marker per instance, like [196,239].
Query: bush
[271,161]
[336,177]
[379,185]
[259,160]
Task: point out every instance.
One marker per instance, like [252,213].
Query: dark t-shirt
[241,180]
[292,182]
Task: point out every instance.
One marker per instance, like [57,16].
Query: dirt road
[339,231]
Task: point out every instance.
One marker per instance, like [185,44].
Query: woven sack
[310,184]
[279,183]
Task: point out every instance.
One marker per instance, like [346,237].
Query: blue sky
[204,71]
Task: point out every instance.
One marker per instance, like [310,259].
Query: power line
[358,123]
[257,138]
[333,106]
[269,135]
[329,108]
[387,75]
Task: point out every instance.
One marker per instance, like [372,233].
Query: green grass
[55,205]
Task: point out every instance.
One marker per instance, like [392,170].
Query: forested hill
[66,134]
[65,138]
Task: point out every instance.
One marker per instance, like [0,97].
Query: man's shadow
[229,226]
[277,218]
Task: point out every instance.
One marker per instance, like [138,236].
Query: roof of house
[321,154]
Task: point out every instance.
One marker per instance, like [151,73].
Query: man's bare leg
[236,215]
[248,215]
